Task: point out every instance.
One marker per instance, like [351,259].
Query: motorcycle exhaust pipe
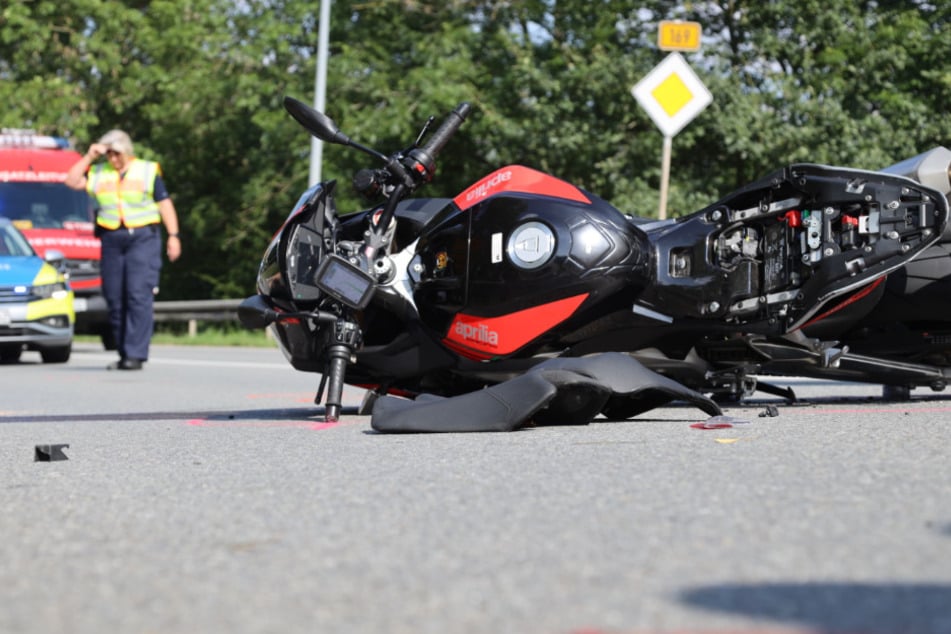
[932,169]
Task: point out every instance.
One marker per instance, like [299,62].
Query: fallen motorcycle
[526,298]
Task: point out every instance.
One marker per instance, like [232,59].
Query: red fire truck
[53,216]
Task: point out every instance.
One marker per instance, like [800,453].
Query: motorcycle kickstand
[320,389]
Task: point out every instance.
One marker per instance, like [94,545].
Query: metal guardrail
[194,311]
[202,309]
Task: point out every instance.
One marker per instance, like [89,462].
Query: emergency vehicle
[36,303]
[54,217]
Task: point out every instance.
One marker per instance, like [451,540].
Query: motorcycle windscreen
[302,244]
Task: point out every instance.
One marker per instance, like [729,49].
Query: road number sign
[674,35]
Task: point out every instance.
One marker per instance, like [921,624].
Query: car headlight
[59,290]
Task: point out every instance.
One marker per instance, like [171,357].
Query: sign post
[320,88]
[672,95]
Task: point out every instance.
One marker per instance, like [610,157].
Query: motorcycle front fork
[346,339]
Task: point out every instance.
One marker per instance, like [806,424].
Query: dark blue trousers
[131,262]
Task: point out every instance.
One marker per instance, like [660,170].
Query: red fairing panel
[482,338]
[516,178]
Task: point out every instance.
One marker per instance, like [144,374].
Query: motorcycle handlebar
[412,170]
[445,131]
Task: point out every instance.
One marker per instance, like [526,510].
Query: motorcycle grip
[449,126]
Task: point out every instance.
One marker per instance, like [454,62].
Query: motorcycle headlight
[59,290]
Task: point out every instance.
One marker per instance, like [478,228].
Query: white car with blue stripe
[36,302]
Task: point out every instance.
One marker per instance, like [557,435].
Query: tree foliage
[199,83]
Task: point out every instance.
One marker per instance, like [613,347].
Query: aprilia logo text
[479,333]
[483,189]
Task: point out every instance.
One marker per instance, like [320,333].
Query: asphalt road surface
[205,494]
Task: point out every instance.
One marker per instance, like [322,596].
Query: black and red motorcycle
[526,298]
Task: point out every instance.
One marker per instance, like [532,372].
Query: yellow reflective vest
[125,200]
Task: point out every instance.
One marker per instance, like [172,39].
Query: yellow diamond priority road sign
[672,94]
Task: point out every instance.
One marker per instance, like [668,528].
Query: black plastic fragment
[634,389]
[50,453]
[502,407]
[771,411]
[566,391]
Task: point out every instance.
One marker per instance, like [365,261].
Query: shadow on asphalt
[834,608]
[924,397]
[315,413]
[311,414]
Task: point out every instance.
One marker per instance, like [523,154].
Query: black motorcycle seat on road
[557,391]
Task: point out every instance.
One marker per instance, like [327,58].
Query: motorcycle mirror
[254,313]
[322,126]
[316,122]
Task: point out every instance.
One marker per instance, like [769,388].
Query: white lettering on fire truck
[39,177]
[41,241]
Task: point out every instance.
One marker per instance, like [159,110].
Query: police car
[36,302]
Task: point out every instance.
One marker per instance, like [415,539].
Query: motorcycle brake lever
[423,132]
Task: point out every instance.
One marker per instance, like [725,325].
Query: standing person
[133,201]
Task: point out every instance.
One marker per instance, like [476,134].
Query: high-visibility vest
[126,201]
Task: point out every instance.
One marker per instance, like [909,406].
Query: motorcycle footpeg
[778,250]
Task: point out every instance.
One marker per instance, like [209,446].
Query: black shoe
[125,364]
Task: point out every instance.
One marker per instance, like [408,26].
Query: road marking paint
[97,357]
[296,397]
[303,424]
[899,407]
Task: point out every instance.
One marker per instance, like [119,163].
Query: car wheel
[10,354]
[56,355]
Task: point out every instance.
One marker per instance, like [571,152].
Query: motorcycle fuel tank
[516,256]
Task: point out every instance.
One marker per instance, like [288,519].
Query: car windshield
[44,205]
[12,241]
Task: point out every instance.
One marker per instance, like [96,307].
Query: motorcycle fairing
[518,179]
[484,338]
[909,323]
[291,259]
[518,270]
[502,407]
[557,391]
[921,291]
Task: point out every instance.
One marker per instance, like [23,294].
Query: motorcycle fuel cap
[531,245]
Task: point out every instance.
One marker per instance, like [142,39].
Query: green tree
[199,84]
[850,83]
